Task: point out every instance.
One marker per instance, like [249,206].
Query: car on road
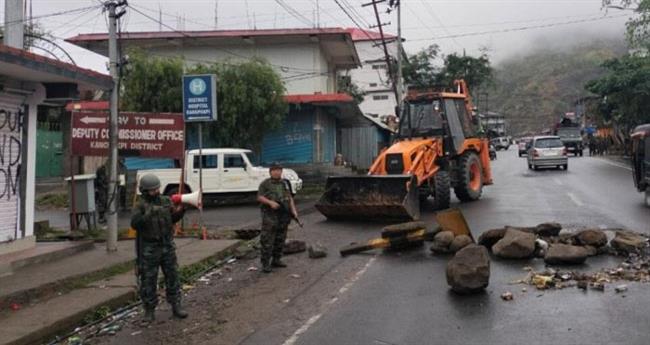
[547,151]
[522,145]
[500,143]
[493,153]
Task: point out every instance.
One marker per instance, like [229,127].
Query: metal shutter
[11,131]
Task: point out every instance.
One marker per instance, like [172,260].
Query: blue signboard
[200,97]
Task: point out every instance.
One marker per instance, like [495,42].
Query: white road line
[312,320]
[614,164]
[575,199]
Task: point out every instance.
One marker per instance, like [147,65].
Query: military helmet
[275,165]
[149,182]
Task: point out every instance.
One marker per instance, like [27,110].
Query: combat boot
[278,263]
[266,266]
[178,311]
[149,315]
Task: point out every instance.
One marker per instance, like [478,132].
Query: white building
[372,77]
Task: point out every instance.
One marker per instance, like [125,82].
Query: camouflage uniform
[274,222]
[153,219]
[101,192]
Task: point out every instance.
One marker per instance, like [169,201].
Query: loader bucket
[374,198]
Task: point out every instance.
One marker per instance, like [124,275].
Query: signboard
[150,135]
[200,97]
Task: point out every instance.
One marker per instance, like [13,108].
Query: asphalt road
[403,298]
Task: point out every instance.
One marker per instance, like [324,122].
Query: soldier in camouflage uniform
[153,219]
[101,192]
[276,201]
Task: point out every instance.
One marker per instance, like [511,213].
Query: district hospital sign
[200,97]
[150,135]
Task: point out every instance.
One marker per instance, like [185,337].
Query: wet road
[403,298]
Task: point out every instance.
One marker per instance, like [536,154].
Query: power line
[54,14]
[294,13]
[374,41]
[429,9]
[523,28]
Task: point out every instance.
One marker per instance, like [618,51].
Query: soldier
[123,178]
[276,201]
[153,219]
[101,192]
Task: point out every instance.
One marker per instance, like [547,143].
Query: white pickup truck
[228,174]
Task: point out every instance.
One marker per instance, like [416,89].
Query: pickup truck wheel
[442,190]
[171,191]
[468,183]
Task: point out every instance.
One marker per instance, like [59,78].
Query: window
[380,66]
[546,143]
[379,97]
[209,161]
[373,84]
[233,161]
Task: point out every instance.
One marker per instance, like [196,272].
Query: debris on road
[292,246]
[459,243]
[442,241]
[591,237]
[507,296]
[317,251]
[252,269]
[565,254]
[515,244]
[396,237]
[620,288]
[295,276]
[627,242]
[469,270]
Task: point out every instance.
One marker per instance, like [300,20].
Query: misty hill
[534,89]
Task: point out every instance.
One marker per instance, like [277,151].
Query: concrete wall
[308,70]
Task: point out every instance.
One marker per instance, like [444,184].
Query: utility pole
[113,17]
[380,25]
[400,81]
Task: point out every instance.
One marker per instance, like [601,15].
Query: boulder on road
[548,229]
[565,254]
[294,246]
[592,237]
[460,242]
[469,270]
[515,244]
[490,237]
[628,242]
[317,251]
[443,238]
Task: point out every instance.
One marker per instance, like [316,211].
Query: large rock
[628,242]
[460,242]
[490,237]
[515,244]
[548,229]
[294,246]
[317,251]
[565,254]
[441,242]
[592,237]
[469,270]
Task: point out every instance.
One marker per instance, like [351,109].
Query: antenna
[216,14]
[159,17]
[248,17]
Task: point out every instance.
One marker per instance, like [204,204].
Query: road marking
[614,164]
[575,199]
[312,320]
[558,182]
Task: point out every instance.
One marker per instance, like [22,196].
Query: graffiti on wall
[11,129]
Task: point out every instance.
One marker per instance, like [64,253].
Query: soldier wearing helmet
[153,219]
[278,207]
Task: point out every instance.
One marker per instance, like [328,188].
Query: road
[403,298]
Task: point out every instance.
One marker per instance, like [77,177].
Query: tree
[638,27]
[346,85]
[477,72]
[419,70]
[625,90]
[249,95]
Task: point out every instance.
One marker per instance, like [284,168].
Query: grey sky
[477,23]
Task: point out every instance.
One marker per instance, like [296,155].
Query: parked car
[523,145]
[228,174]
[493,153]
[641,160]
[547,151]
[500,143]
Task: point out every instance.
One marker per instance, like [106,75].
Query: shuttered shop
[293,143]
[11,131]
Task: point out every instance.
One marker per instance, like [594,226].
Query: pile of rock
[469,271]
[447,242]
[558,247]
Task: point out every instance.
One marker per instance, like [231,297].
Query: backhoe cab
[436,149]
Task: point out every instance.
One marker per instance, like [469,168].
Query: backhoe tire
[442,190]
[468,184]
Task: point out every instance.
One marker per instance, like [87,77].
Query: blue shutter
[293,143]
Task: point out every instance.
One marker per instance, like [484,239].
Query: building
[28,81]
[494,124]
[372,77]
[308,61]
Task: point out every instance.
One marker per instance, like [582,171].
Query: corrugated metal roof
[367,35]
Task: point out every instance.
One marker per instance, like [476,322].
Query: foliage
[345,84]
[420,70]
[625,90]
[52,201]
[249,95]
[534,89]
[638,27]
[32,32]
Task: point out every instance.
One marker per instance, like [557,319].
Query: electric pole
[113,17]
[400,82]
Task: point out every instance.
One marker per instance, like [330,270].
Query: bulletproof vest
[157,224]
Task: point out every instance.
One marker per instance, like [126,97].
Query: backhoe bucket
[375,197]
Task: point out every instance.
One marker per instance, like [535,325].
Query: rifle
[285,208]
[138,258]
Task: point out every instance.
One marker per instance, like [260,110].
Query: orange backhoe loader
[437,149]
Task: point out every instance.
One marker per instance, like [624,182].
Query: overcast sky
[505,27]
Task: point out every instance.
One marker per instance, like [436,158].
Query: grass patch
[83,282]
[52,201]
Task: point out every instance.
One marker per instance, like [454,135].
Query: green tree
[476,71]
[346,85]
[638,26]
[625,90]
[419,70]
[249,96]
